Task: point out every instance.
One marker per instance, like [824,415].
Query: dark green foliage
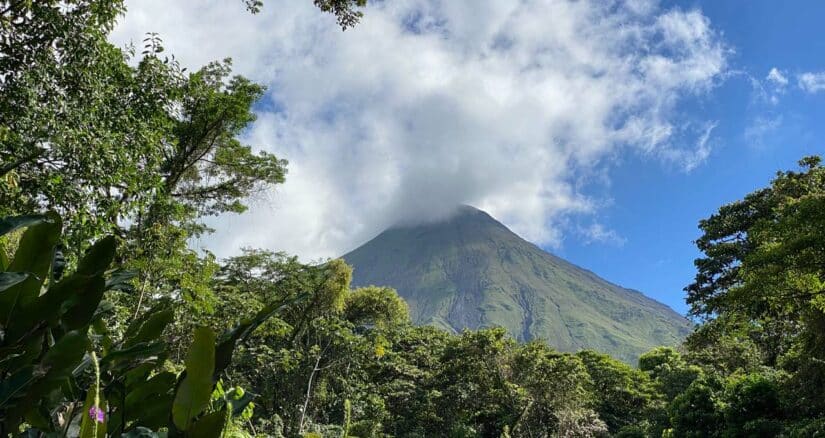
[696,412]
[753,406]
[345,11]
[760,288]
[631,432]
[50,340]
[806,429]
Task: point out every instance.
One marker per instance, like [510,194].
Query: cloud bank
[508,105]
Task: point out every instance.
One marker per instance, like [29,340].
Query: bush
[631,432]
[806,429]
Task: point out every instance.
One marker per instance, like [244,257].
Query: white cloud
[777,77]
[598,233]
[690,159]
[812,82]
[432,103]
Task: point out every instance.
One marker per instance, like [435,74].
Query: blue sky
[657,210]
[602,130]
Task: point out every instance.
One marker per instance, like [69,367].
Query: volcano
[470,271]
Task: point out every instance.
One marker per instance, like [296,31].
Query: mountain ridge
[471,271]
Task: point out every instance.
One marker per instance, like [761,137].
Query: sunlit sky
[602,131]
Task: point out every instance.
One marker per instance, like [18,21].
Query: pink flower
[96,414]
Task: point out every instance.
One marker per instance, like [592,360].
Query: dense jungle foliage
[111,325]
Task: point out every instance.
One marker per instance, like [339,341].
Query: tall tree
[111,145]
[762,278]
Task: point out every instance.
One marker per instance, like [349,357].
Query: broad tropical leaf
[211,425]
[9,224]
[196,388]
[9,279]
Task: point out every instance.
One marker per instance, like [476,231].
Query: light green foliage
[624,394]
[697,412]
[580,423]
[375,306]
[556,386]
[669,371]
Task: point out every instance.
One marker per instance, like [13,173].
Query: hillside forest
[111,161]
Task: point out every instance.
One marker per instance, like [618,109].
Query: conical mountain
[470,271]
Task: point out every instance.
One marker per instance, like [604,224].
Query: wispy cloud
[429,104]
[812,82]
[688,159]
[761,127]
[598,233]
[771,88]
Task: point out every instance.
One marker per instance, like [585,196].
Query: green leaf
[121,280]
[137,352]
[152,328]
[98,258]
[196,388]
[160,384]
[226,346]
[34,256]
[155,414]
[83,305]
[23,354]
[9,224]
[58,364]
[240,404]
[46,309]
[9,279]
[66,353]
[136,324]
[210,426]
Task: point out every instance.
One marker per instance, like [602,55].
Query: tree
[405,377]
[375,306]
[760,285]
[121,148]
[557,387]
[670,373]
[752,406]
[696,412]
[763,264]
[477,396]
[623,393]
